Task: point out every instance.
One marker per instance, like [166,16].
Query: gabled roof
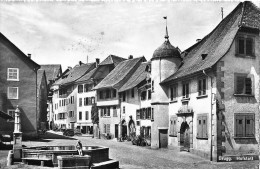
[218,42]
[112,59]
[75,73]
[120,74]
[16,50]
[137,77]
[52,71]
[87,77]
[40,74]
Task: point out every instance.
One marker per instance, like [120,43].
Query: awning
[5,115]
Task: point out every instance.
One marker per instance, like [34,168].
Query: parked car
[68,132]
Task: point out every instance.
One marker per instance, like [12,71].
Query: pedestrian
[79,148]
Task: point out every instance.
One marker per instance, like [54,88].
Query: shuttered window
[80,102]
[114,111]
[202,86]
[245,46]
[105,128]
[108,111]
[89,100]
[173,92]
[101,112]
[80,88]
[80,115]
[152,118]
[244,125]
[185,90]
[138,115]
[87,115]
[173,126]
[108,128]
[243,84]
[202,126]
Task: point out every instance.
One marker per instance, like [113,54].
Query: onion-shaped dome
[166,50]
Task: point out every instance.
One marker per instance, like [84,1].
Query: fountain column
[17,135]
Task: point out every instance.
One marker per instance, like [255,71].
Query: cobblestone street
[135,157]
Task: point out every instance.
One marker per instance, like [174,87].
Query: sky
[68,32]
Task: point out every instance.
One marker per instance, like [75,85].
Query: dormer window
[245,46]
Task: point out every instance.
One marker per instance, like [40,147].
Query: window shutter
[241,47]
[137,114]
[240,84]
[108,111]
[249,125]
[249,46]
[89,100]
[204,127]
[175,126]
[239,126]
[101,112]
[248,85]
[204,86]
[200,92]
[199,127]
[171,125]
[108,128]
[105,130]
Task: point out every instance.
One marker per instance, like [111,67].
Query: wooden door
[116,130]
[187,139]
[163,138]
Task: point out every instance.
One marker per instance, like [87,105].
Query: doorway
[116,130]
[185,137]
[84,129]
[163,138]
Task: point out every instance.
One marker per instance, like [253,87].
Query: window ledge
[245,56]
[202,96]
[174,101]
[185,99]
[172,135]
[106,117]
[244,137]
[17,80]
[244,95]
[200,138]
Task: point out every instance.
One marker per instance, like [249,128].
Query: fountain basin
[98,154]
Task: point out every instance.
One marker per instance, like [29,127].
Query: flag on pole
[165,17]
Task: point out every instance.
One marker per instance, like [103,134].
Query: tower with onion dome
[165,61]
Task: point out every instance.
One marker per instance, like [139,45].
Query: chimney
[130,57]
[69,67]
[197,40]
[97,61]
[29,55]
[80,63]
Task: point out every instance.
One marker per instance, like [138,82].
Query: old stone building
[109,101]
[65,95]
[19,78]
[206,100]
[86,96]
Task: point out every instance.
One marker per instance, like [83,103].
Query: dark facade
[18,81]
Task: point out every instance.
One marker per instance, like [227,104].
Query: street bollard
[10,158]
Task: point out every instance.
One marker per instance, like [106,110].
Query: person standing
[79,148]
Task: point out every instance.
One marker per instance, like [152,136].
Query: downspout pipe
[211,111]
